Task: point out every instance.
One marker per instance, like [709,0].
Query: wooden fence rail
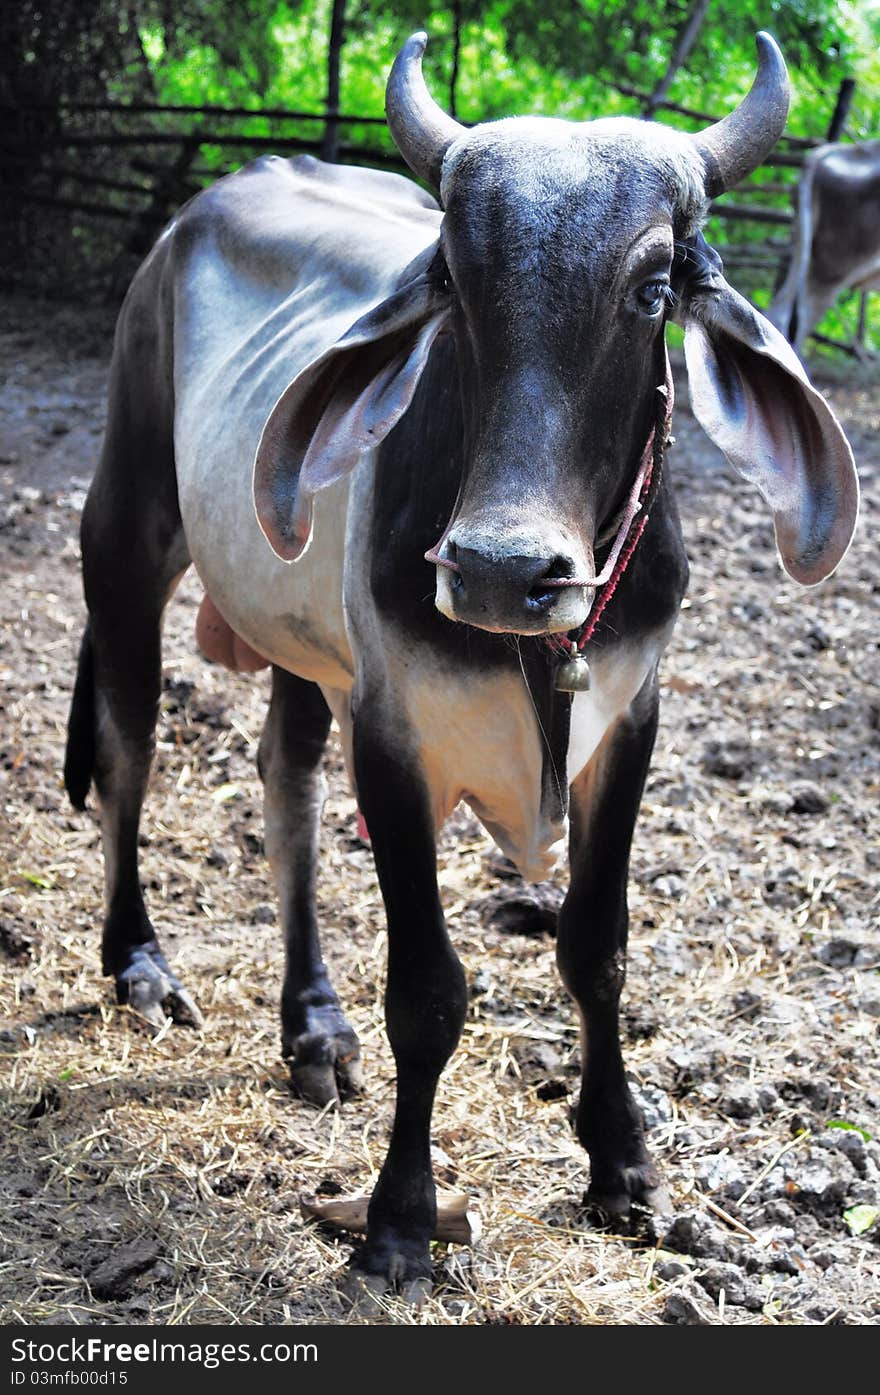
[147,171]
[186,109]
[705,117]
[110,140]
[750,213]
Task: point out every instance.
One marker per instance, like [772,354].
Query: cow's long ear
[751,395]
[342,404]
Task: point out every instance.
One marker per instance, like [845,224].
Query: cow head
[563,250]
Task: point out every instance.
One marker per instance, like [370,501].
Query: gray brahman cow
[836,237]
[414,449]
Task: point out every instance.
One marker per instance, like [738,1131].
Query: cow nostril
[560,569]
[490,577]
[541,596]
[450,556]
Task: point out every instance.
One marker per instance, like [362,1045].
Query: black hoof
[634,1200]
[366,1292]
[395,1266]
[325,1067]
[150,989]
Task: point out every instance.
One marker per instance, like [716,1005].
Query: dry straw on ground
[156,1178]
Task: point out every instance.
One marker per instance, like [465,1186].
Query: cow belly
[289,612]
[866,277]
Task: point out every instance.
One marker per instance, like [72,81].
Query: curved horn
[738,144]
[421,130]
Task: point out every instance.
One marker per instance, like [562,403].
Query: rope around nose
[626,540]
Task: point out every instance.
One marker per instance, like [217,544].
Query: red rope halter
[627,539]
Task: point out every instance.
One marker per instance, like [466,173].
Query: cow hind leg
[110,741]
[134,552]
[320,1047]
[591,950]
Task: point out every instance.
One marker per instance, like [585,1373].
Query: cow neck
[543,681]
[624,533]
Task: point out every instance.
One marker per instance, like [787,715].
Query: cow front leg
[591,951]
[318,1044]
[425,999]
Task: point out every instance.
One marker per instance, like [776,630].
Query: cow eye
[651,295]
[441,273]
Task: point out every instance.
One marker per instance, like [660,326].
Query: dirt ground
[155,1178]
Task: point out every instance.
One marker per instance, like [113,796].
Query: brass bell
[573,675]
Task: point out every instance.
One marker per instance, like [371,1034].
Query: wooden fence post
[165,196]
[456,55]
[841,109]
[330,142]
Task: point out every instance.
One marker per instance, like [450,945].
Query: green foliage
[861,1218]
[848,1128]
[487,58]
[36,879]
[234,40]
[516,55]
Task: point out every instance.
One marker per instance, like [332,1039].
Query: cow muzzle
[511,585]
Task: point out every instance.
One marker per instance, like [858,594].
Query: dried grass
[195,1140]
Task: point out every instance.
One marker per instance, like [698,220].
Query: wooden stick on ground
[457,1222]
